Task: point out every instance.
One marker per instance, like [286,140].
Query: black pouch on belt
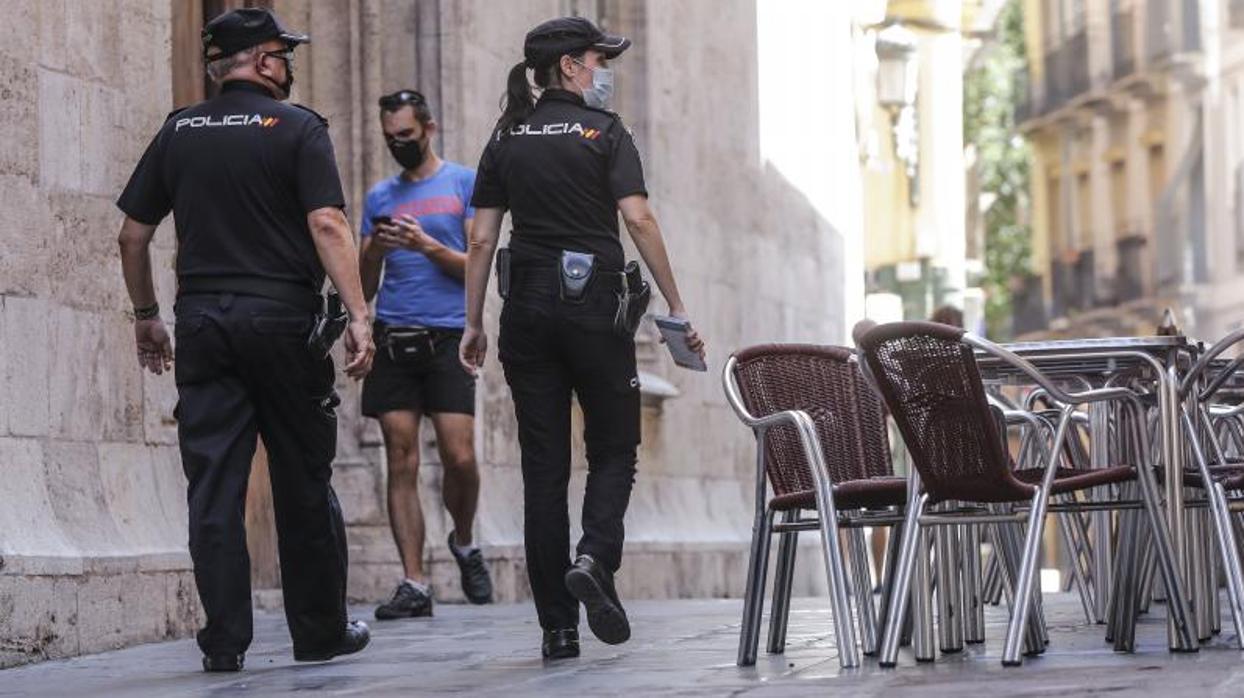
[576,270]
[409,346]
[633,301]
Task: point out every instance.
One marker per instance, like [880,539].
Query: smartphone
[381,220]
[674,331]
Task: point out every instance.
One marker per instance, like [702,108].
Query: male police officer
[253,186]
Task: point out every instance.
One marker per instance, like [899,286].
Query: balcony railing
[1122,44]
[1023,96]
[1085,281]
[1066,72]
[1171,27]
[1027,306]
[1129,279]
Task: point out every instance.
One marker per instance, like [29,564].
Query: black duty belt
[546,277]
[289,292]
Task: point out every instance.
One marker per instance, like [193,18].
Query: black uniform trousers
[243,370]
[551,349]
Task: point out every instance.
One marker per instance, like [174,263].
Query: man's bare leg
[401,443]
[455,438]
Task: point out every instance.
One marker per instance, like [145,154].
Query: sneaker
[354,639]
[407,602]
[592,585]
[476,584]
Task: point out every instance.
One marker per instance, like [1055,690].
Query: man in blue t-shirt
[415,228]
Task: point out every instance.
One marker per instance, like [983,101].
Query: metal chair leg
[1028,573]
[783,578]
[901,584]
[973,598]
[1224,532]
[1079,574]
[922,603]
[861,583]
[753,596]
[949,595]
[1176,597]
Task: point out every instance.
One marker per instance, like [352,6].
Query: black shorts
[441,386]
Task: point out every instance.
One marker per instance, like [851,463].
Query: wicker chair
[822,447]
[928,376]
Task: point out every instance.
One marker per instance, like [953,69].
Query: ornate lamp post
[898,75]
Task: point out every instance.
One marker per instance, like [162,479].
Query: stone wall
[92,517]
[92,513]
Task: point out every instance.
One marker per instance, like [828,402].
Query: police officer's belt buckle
[633,301]
[576,270]
[328,327]
[409,345]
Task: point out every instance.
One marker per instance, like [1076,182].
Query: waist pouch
[408,345]
[576,270]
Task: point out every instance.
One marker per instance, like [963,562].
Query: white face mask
[601,91]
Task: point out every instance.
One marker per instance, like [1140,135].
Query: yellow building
[917,249]
[1132,112]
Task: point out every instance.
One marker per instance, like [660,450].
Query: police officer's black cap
[243,28]
[557,37]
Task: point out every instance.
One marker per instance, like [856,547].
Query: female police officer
[564,166]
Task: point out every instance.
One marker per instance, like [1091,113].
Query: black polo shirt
[561,174]
[240,172]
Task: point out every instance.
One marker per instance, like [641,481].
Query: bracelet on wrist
[148,313]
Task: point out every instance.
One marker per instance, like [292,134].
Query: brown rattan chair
[822,447]
[928,375]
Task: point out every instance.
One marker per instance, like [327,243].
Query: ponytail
[518,102]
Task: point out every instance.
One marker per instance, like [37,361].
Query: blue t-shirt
[414,290]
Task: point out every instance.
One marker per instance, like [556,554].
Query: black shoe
[223,662]
[476,584]
[560,644]
[407,602]
[592,585]
[355,638]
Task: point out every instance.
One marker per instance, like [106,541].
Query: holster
[330,323]
[503,272]
[633,301]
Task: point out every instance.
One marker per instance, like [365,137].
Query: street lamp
[898,75]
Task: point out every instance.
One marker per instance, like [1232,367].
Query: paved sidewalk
[678,648]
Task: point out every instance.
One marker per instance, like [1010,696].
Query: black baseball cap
[241,29]
[557,37]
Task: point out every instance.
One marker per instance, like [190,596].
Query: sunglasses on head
[401,97]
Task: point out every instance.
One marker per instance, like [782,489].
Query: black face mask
[409,154]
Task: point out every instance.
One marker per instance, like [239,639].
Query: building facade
[921,250]
[765,231]
[1133,113]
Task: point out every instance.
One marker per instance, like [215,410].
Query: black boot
[352,640]
[592,585]
[223,662]
[560,644]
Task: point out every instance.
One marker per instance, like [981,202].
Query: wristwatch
[151,311]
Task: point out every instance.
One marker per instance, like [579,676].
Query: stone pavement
[678,648]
